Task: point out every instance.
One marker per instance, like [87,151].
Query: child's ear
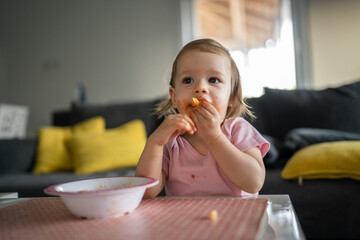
[172,96]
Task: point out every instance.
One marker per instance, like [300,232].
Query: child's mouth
[195,102]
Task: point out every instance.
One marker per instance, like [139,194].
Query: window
[259,35]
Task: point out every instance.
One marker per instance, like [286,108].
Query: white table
[282,219]
[9,195]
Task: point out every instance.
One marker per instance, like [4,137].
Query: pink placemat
[160,218]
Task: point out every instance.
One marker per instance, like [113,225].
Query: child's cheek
[221,109]
[181,105]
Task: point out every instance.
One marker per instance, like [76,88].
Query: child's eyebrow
[216,72]
[186,73]
[211,72]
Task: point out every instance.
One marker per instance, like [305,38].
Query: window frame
[299,13]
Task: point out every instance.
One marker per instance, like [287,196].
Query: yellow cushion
[325,160]
[52,153]
[115,148]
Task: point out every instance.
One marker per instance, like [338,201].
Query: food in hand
[195,102]
[213,215]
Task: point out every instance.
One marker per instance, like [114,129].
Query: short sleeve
[166,158]
[244,136]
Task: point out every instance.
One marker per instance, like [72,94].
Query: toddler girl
[206,149]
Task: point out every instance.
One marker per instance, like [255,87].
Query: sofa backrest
[115,114]
[279,111]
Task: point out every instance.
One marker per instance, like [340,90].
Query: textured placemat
[161,218]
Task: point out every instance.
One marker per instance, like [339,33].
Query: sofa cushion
[52,153]
[114,148]
[272,155]
[325,160]
[17,155]
[302,137]
[332,108]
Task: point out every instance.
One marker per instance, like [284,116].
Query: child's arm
[244,168]
[150,163]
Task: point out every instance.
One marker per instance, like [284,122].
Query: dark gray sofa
[290,120]
[17,157]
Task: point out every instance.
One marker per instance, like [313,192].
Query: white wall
[334,39]
[121,50]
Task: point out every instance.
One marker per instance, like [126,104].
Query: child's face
[204,75]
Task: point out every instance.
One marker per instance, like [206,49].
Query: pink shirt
[190,173]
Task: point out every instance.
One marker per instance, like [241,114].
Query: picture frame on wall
[13,121]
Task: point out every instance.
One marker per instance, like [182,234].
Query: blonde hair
[238,106]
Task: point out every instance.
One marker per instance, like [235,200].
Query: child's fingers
[172,126]
[190,122]
[194,117]
[177,129]
[207,111]
[200,115]
[208,107]
[176,133]
[183,123]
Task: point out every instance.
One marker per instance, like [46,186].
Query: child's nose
[201,88]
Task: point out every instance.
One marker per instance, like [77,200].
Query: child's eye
[214,80]
[188,80]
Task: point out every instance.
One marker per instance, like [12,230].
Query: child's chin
[188,110]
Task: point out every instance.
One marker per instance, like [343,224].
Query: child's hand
[207,121]
[172,126]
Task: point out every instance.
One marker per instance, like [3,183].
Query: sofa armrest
[17,155]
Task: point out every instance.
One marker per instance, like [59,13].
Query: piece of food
[213,215]
[195,102]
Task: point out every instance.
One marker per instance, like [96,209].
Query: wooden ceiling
[238,24]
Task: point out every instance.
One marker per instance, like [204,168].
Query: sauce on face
[195,102]
[181,105]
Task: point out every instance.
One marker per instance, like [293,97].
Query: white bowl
[102,197]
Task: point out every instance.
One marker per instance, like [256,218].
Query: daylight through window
[259,35]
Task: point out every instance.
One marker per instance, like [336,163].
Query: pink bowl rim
[51,190]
